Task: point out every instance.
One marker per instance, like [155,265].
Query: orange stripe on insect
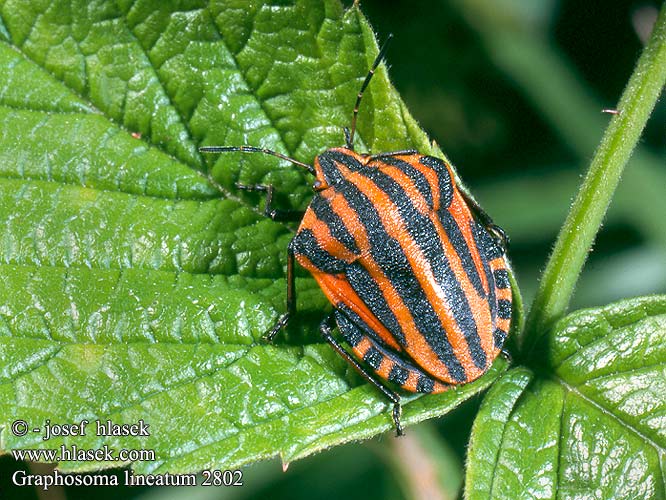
[460,212]
[478,305]
[503,324]
[412,381]
[325,239]
[503,294]
[385,367]
[431,177]
[403,180]
[439,387]
[362,347]
[417,346]
[498,263]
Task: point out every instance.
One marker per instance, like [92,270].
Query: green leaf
[591,423]
[136,278]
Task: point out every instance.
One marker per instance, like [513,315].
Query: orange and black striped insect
[415,269]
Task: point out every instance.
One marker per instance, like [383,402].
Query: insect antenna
[350,136]
[252,149]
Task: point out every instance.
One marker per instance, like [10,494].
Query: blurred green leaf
[563,97]
[589,208]
[590,422]
[546,193]
[131,287]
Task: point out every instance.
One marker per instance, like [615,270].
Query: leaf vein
[603,338]
[609,413]
[161,83]
[45,111]
[504,429]
[35,367]
[82,97]
[253,91]
[635,369]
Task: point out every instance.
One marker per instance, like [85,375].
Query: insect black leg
[269,211]
[326,329]
[253,149]
[291,300]
[497,232]
[379,156]
[350,138]
[507,355]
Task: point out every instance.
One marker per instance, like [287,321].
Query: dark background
[512,91]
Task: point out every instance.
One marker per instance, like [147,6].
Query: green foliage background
[514,102]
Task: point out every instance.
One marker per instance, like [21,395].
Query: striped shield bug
[415,270]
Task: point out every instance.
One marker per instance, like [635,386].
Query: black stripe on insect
[386,252]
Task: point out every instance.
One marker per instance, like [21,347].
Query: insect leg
[253,149]
[350,137]
[385,362]
[291,299]
[497,232]
[276,214]
[326,329]
[400,152]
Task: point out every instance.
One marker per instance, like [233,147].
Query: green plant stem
[586,215]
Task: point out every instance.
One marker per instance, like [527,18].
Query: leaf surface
[136,278]
[590,423]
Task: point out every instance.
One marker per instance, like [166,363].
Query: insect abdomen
[384,362]
[401,236]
